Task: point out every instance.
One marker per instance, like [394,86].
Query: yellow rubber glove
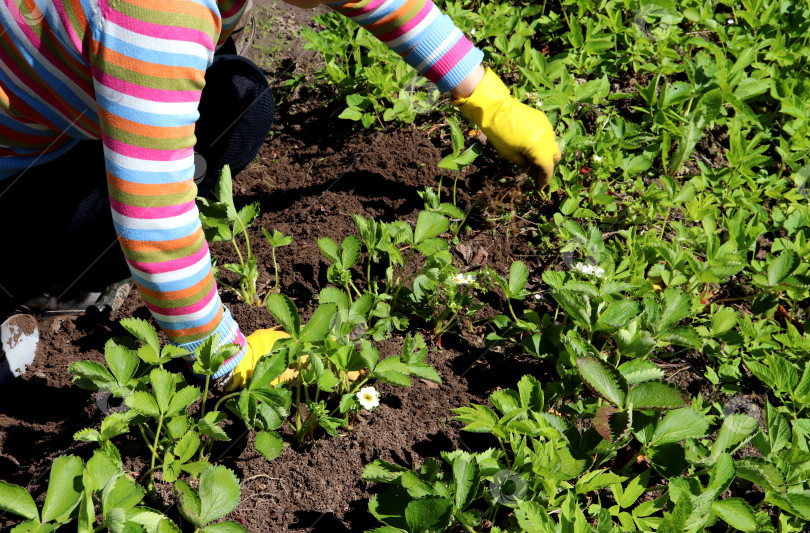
[259,344]
[520,133]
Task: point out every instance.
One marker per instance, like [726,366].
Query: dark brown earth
[312,174]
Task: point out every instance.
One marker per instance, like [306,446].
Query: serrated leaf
[101,468]
[84,435]
[269,444]
[611,423]
[759,471]
[319,325]
[380,471]
[329,249]
[393,370]
[675,522]
[469,155]
[466,477]
[162,387]
[617,315]
[218,492]
[123,493]
[518,277]
[679,425]
[639,370]
[779,268]
[723,320]
[189,503]
[144,403]
[603,379]
[351,251]
[736,428]
[531,393]
[115,424]
[90,375]
[686,336]
[675,306]
[208,425]
[64,488]
[335,296]
[224,191]
[247,215]
[778,429]
[414,349]
[451,211]
[205,356]
[424,371]
[267,369]
[120,360]
[577,306]
[148,355]
[479,418]
[141,330]
[657,395]
[224,527]
[16,500]
[736,513]
[284,311]
[432,513]
[721,474]
[195,468]
[598,479]
[182,399]
[533,518]
[187,446]
[429,225]
[633,490]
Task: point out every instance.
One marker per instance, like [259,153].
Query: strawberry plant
[221,221]
[326,359]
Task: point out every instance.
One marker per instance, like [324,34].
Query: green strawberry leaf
[657,395]
[603,379]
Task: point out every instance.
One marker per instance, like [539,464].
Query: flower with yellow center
[368,397]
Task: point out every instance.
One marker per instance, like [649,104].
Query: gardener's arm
[149,62]
[430,42]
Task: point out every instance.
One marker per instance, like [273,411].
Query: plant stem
[666,219]
[238,252]
[451,322]
[275,268]
[352,285]
[224,398]
[154,450]
[505,455]
[205,396]
[512,311]
[146,439]
[399,278]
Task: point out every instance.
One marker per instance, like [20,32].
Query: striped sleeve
[149,59]
[232,12]
[428,40]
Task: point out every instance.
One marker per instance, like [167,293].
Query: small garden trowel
[19,337]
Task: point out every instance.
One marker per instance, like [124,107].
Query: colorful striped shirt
[130,72]
[428,40]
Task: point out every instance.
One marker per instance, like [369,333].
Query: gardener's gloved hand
[520,133]
[259,344]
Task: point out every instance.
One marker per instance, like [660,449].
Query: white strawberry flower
[463,279]
[368,397]
[591,270]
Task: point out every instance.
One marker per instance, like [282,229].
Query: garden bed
[699,308]
[310,177]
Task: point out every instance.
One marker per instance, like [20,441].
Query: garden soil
[312,174]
